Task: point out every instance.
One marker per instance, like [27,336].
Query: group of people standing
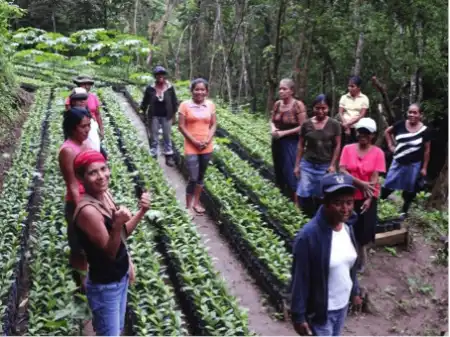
[335,177]
[97,226]
[197,123]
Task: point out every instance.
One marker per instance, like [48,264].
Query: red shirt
[363,167]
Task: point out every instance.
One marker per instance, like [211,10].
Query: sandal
[200,211]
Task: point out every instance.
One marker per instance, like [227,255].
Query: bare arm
[355,120]
[337,151]
[212,127]
[100,121]
[389,138]
[66,157]
[300,150]
[131,225]
[426,156]
[341,113]
[91,222]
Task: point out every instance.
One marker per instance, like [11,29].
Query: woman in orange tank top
[197,122]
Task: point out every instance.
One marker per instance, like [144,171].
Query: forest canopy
[244,47]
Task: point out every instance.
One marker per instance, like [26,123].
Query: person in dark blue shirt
[323,270]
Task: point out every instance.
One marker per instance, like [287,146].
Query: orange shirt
[198,120]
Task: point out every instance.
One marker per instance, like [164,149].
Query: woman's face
[199,92]
[364,136]
[353,89]
[80,103]
[96,178]
[86,86]
[340,207]
[414,114]
[81,131]
[284,91]
[160,78]
[320,110]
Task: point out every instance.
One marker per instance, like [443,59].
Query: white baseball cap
[366,123]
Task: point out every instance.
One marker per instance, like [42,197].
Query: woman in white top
[352,107]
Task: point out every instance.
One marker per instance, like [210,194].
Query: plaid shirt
[288,119]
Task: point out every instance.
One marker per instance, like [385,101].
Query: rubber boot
[169,161]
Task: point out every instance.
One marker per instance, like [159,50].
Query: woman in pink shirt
[364,161]
[76,125]
[92,102]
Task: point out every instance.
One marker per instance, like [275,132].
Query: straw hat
[83,79]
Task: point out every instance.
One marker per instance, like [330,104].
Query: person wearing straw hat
[92,103]
[160,105]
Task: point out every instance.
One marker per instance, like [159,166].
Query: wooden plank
[392,238]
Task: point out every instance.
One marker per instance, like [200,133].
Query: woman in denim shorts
[318,152]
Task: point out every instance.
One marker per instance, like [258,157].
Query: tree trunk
[136,6]
[177,56]
[213,56]
[225,61]
[156,29]
[360,44]
[413,88]
[191,61]
[53,21]
[358,54]
[439,194]
[303,78]
[298,59]
[272,74]
[381,118]
[420,48]
[386,103]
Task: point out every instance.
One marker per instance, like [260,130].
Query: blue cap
[159,70]
[332,182]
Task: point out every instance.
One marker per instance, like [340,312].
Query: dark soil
[10,137]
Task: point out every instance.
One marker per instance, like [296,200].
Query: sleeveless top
[77,149]
[102,269]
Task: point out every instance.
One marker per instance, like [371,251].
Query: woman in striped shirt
[411,156]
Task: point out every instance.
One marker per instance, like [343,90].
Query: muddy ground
[9,139]
[408,289]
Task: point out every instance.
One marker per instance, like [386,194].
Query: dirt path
[408,290]
[237,278]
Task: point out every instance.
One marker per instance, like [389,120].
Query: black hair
[322,98]
[72,118]
[356,80]
[198,81]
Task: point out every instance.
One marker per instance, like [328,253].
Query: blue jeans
[108,303]
[310,178]
[166,126]
[334,324]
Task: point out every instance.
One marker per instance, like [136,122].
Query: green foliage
[7,82]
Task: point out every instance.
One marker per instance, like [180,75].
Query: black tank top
[102,269]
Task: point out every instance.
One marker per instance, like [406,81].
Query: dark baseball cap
[159,70]
[332,182]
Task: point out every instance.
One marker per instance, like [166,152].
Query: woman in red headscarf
[102,228]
